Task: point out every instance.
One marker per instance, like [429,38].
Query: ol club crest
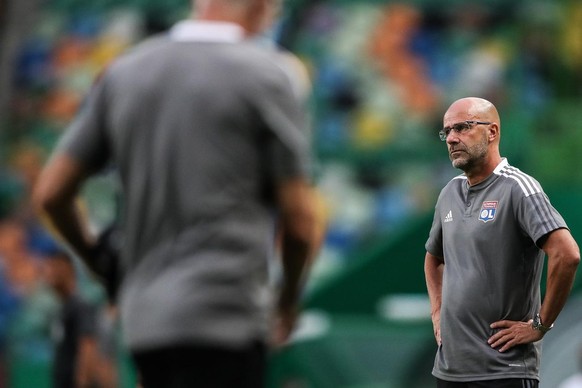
[488,210]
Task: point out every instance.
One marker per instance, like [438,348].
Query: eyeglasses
[461,127]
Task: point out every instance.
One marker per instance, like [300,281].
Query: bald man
[493,226]
[209,136]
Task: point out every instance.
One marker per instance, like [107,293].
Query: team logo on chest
[488,210]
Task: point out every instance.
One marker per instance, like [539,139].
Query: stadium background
[382,72]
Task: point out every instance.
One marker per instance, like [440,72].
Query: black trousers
[202,367]
[500,383]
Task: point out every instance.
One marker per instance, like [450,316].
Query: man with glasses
[493,226]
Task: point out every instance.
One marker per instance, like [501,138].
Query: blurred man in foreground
[493,226]
[210,142]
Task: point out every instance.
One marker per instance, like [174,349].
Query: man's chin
[459,163]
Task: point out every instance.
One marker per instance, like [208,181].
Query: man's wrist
[537,324]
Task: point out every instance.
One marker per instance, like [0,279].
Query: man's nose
[452,137]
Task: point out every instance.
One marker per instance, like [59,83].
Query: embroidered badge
[488,210]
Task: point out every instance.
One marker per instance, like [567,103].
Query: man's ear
[493,131]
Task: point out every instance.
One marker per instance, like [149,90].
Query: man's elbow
[570,259]
[573,259]
[46,200]
[301,219]
[42,203]
[301,227]
[57,185]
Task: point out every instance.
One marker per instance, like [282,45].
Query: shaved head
[474,108]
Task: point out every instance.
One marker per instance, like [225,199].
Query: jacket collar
[206,31]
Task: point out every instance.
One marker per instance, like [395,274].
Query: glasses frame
[444,133]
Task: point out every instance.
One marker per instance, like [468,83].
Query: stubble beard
[473,157]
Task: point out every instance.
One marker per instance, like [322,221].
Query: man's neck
[217,12]
[480,173]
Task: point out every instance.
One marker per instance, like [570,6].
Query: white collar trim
[206,31]
[501,165]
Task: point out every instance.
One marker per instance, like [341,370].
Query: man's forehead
[455,116]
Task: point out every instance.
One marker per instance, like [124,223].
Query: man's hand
[436,326]
[105,261]
[285,322]
[513,333]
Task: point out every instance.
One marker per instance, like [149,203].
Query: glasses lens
[458,128]
[461,127]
